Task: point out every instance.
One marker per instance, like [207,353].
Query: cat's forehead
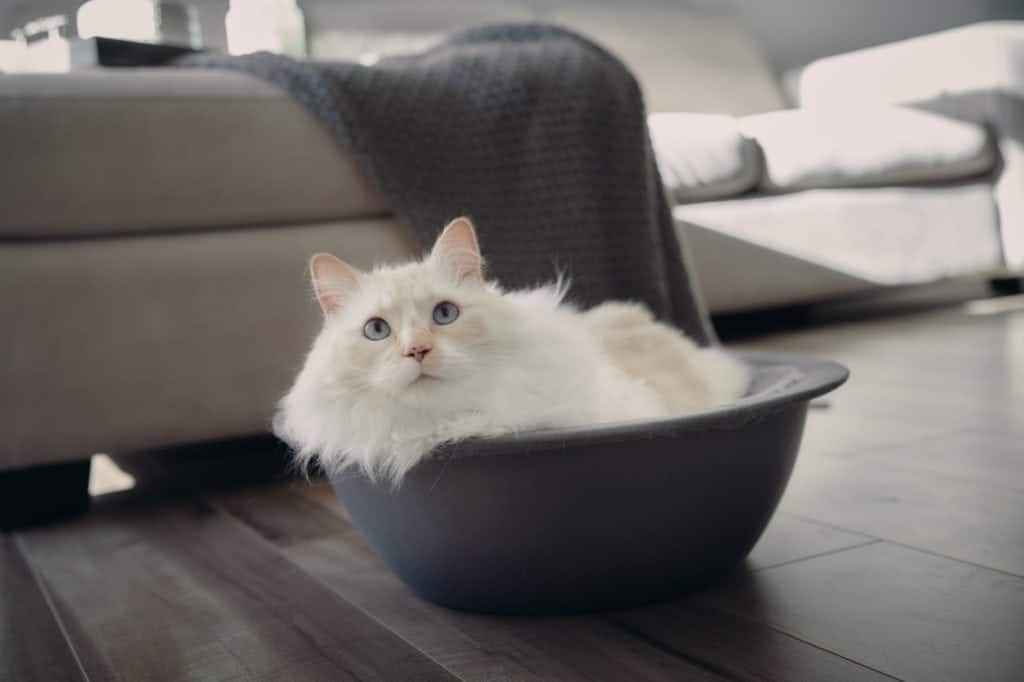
[392,286]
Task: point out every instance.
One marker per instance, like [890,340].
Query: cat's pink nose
[419,352]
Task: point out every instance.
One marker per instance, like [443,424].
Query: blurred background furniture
[904,165]
[156,224]
[154,240]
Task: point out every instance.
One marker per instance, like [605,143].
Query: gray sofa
[155,229]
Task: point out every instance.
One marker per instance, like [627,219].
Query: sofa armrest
[124,151]
[974,73]
[980,57]
[703,156]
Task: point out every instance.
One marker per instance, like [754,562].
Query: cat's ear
[458,250]
[333,280]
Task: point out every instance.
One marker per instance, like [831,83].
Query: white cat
[415,355]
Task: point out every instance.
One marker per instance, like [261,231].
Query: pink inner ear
[333,280]
[457,248]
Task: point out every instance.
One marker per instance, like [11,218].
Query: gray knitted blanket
[535,133]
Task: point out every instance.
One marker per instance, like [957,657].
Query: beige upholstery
[119,151]
[116,344]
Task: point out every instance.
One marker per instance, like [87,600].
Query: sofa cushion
[703,156]
[138,343]
[887,236]
[115,151]
[875,146]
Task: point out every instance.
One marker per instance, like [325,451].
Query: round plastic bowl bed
[587,519]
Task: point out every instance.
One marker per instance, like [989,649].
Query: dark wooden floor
[898,553]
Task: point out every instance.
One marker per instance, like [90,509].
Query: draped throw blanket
[534,132]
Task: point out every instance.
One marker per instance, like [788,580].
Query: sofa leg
[1007,286]
[42,494]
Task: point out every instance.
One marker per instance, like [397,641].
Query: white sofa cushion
[886,236]
[870,146]
[703,156]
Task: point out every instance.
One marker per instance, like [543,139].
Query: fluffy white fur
[511,361]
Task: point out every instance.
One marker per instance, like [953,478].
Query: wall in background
[792,32]
[795,32]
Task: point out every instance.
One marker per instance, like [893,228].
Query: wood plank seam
[816,555]
[645,641]
[810,643]
[48,599]
[698,661]
[905,545]
[718,669]
[826,524]
[283,555]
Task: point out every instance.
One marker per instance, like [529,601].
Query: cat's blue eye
[445,312]
[376,329]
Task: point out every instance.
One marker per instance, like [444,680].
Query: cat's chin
[420,385]
[423,392]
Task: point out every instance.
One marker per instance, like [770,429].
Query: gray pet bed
[586,519]
[541,137]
